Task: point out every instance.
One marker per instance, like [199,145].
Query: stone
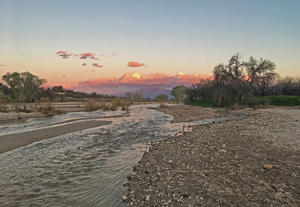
[147,198]
[124,198]
[268,166]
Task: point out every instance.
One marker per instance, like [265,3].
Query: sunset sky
[137,45]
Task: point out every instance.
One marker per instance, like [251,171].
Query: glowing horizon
[71,44]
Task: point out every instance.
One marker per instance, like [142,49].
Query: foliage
[283,100]
[162,97]
[24,86]
[178,92]
[237,82]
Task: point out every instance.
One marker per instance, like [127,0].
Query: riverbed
[82,168]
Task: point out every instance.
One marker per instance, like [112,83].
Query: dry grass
[163,105]
[91,105]
[47,108]
[4,108]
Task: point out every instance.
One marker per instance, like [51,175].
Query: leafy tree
[179,93]
[137,97]
[57,89]
[162,97]
[24,86]
[236,82]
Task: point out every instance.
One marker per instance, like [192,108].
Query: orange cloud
[61,52]
[134,64]
[149,85]
[97,65]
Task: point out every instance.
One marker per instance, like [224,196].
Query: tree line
[242,82]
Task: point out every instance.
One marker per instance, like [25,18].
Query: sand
[12,141]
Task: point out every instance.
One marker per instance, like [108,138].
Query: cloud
[83,64]
[63,54]
[1,65]
[97,65]
[149,85]
[86,55]
[135,64]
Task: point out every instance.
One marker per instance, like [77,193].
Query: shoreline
[250,162]
[12,141]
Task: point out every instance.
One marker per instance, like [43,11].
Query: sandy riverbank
[250,162]
[12,141]
[59,108]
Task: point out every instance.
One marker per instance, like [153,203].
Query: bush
[91,105]
[283,100]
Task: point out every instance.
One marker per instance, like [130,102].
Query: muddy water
[86,168]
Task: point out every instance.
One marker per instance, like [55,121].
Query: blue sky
[167,36]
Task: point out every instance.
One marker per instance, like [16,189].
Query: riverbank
[249,162]
[13,141]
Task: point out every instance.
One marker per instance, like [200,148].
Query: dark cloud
[63,54]
[97,65]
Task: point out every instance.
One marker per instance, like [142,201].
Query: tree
[179,93]
[162,97]
[24,86]
[137,96]
[57,89]
[236,82]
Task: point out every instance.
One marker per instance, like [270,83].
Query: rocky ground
[184,113]
[234,163]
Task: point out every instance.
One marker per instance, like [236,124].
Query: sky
[117,46]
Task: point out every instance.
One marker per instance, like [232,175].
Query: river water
[85,168]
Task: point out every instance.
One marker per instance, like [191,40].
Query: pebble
[147,198]
[268,167]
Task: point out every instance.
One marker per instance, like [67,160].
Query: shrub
[283,100]
[91,105]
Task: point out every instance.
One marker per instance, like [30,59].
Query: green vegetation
[24,86]
[161,97]
[250,83]
[282,100]
[179,93]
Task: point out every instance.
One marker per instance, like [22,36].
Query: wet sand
[13,141]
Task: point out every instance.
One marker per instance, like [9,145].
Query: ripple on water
[84,168]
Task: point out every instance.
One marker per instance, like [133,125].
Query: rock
[124,198]
[129,177]
[170,161]
[268,167]
[147,198]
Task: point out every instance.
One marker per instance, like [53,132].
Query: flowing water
[85,168]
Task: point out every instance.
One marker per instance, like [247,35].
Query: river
[84,168]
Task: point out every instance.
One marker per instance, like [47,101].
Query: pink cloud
[88,55]
[134,64]
[148,84]
[97,65]
[63,54]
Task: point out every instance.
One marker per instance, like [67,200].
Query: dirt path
[234,163]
